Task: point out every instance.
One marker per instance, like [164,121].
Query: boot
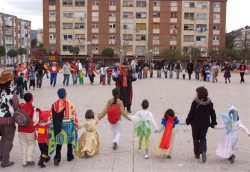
[146,154]
[47,159]
[41,162]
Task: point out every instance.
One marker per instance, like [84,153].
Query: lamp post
[121,58]
[150,56]
[89,49]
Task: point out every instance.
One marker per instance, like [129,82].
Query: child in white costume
[230,137]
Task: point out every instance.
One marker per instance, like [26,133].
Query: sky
[238,13]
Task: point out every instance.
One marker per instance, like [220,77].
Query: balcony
[8,23]
[8,42]
[8,32]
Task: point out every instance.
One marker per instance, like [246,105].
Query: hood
[202,102]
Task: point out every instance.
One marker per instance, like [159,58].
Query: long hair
[115,93]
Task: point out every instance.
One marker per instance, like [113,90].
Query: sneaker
[232,159]
[139,150]
[7,165]
[115,146]
[25,165]
[197,156]
[146,156]
[168,157]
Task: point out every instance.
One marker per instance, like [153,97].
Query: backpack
[114,114]
[21,118]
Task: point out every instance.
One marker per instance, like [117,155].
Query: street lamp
[89,49]
[121,57]
[150,56]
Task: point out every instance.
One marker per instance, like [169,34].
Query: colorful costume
[81,77]
[88,144]
[145,72]
[230,137]
[164,145]
[53,74]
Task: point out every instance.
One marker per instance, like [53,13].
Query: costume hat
[6,76]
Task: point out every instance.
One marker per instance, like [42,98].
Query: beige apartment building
[133,27]
[39,37]
[14,34]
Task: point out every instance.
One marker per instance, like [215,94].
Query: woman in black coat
[199,117]
[190,68]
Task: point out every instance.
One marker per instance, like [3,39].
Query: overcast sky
[238,13]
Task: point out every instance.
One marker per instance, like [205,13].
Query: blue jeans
[197,75]
[74,78]
[109,79]
[53,79]
[170,74]
[133,71]
[66,79]
[140,74]
[158,73]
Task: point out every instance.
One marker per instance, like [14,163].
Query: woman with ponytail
[114,108]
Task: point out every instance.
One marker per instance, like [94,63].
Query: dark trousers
[189,76]
[58,152]
[199,139]
[46,72]
[20,90]
[39,80]
[109,80]
[32,83]
[183,76]
[91,78]
[242,77]
[25,85]
[197,75]
[43,149]
[140,74]
[86,71]
[66,79]
[205,76]
[6,143]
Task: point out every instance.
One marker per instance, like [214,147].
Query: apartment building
[39,37]
[14,34]
[242,40]
[141,26]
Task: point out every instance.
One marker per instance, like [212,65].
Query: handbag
[246,72]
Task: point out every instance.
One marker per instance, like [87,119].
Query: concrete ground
[162,94]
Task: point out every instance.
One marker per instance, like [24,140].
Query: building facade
[39,37]
[14,34]
[133,27]
[242,40]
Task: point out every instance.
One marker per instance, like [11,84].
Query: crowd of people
[60,124]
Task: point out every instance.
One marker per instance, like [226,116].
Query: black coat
[39,68]
[190,68]
[200,117]
[171,66]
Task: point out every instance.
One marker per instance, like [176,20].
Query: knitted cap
[61,92]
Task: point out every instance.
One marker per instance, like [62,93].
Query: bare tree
[194,52]
[121,48]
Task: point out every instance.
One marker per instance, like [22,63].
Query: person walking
[190,68]
[39,73]
[199,117]
[91,70]
[170,68]
[204,68]
[214,71]
[79,65]
[197,71]
[10,102]
[159,66]
[66,69]
[227,74]
[242,69]
[74,72]
[53,74]
[133,66]
[178,69]
[109,74]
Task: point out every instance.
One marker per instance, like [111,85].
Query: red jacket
[53,69]
[73,66]
[27,107]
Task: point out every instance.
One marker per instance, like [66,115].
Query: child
[32,77]
[151,72]
[88,143]
[183,74]
[145,72]
[166,71]
[201,75]
[230,137]
[20,85]
[42,135]
[207,74]
[165,144]
[227,73]
[214,72]
[109,74]
[26,135]
[81,77]
[142,127]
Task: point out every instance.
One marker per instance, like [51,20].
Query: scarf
[124,80]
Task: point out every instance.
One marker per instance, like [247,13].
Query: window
[81,47]
[173,4]
[216,27]
[216,16]
[141,4]
[95,48]
[81,15]
[95,25]
[52,36]
[112,37]
[112,14]
[128,26]
[201,16]
[173,15]
[111,25]
[79,3]
[188,27]
[139,49]
[156,15]
[67,15]
[112,3]
[216,4]
[67,38]
[79,25]
[52,25]
[128,15]
[188,38]
[80,37]
[141,15]
[95,37]
[141,26]
[172,47]
[95,14]
[189,5]
[52,2]
[66,47]
[52,14]
[156,26]
[156,37]
[201,27]
[202,5]
[128,37]
[140,37]
[128,3]
[173,37]
[215,48]
[67,26]
[216,38]
[156,3]
[189,16]
[201,38]
[95,3]
[67,2]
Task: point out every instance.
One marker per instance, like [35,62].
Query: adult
[242,69]
[74,72]
[46,70]
[63,129]
[170,68]
[66,73]
[190,68]
[214,72]
[139,69]
[199,117]
[9,103]
[178,69]
[124,84]
[227,74]
[109,74]
[102,75]
[204,68]
[91,70]
[39,73]
[86,64]
[197,71]
[133,66]
[159,66]
[53,74]
[79,65]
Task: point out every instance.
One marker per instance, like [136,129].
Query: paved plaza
[162,94]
